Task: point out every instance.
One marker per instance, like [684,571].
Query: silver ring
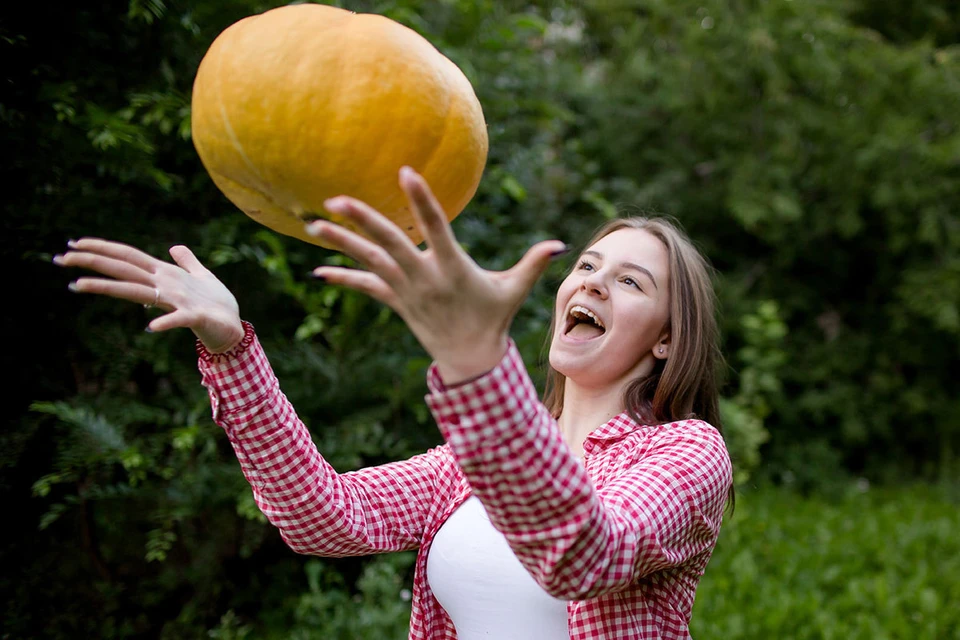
[156,299]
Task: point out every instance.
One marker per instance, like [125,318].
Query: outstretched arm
[317,510]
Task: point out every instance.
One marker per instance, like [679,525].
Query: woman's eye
[585,265]
[631,282]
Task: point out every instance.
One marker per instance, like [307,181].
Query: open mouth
[583,324]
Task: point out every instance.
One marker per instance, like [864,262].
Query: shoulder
[692,431]
[689,448]
[682,463]
[678,436]
[698,450]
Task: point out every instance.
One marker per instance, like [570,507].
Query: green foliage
[873,564]
[744,414]
[379,609]
[816,163]
[810,148]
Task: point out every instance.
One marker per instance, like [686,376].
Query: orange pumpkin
[306,102]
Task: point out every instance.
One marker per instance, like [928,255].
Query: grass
[872,564]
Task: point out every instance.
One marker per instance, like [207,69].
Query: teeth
[578,310]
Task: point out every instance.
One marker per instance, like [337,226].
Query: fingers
[175,320]
[139,293]
[186,260]
[531,266]
[362,281]
[118,251]
[429,214]
[112,267]
[369,254]
[383,231]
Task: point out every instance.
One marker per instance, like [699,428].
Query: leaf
[106,436]
[513,188]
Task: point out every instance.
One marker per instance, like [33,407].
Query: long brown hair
[684,385]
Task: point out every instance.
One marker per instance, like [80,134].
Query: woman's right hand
[189,293]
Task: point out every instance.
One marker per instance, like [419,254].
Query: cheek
[564,292]
[643,323]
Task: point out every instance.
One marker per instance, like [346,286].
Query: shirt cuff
[238,379]
[436,384]
[248,336]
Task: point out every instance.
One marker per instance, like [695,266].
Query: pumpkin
[306,102]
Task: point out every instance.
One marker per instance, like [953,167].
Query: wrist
[228,341]
[226,344]
[460,368]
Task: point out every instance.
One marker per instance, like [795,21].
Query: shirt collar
[615,428]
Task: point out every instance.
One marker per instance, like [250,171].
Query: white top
[483,587]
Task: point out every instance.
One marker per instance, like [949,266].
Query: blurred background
[811,148]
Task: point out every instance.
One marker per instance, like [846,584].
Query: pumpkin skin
[306,102]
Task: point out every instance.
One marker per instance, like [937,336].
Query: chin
[597,369]
[567,364]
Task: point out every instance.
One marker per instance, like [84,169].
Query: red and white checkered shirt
[624,536]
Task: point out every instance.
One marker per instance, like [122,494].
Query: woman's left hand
[459,312]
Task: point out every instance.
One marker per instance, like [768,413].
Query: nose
[594,284]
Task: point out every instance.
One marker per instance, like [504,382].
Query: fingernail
[148,329]
[317,276]
[73,287]
[315,228]
[338,202]
[72,244]
[58,259]
[407,171]
[560,252]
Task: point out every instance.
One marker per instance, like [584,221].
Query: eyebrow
[627,265]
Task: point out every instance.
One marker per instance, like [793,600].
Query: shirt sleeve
[317,510]
[576,541]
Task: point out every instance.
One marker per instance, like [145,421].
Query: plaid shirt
[624,536]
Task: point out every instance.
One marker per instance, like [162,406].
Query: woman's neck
[584,410]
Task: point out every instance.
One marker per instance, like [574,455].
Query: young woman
[590,517]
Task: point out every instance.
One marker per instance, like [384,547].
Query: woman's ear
[661,350]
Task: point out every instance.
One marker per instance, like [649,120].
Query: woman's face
[612,311]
